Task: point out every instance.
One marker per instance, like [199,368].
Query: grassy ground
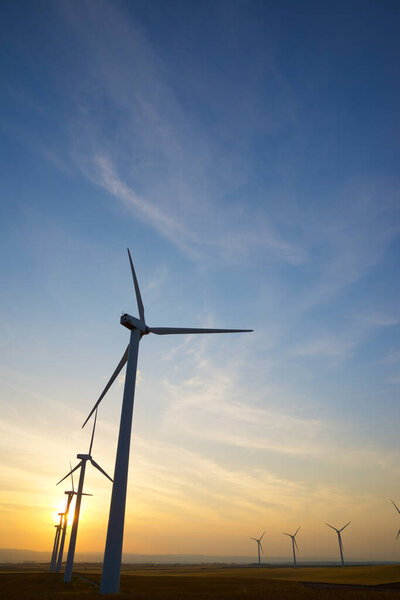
[207,583]
[360,575]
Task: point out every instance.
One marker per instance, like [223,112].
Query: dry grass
[206,583]
[360,575]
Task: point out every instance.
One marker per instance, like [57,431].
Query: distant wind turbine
[82,466]
[115,532]
[294,544]
[338,531]
[397,508]
[56,543]
[70,495]
[259,547]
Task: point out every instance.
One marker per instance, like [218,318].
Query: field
[207,583]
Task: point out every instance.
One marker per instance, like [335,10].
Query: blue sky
[247,153]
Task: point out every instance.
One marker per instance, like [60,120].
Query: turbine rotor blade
[398,533]
[114,376]
[262,536]
[345,526]
[334,528]
[255,539]
[396,507]
[261,548]
[173,330]
[297,530]
[93,430]
[68,474]
[98,467]
[295,543]
[72,477]
[286,534]
[137,290]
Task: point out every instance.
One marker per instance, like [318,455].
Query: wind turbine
[56,543]
[70,495]
[397,508]
[84,458]
[294,544]
[338,531]
[115,532]
[259,547]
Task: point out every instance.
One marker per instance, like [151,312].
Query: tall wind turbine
[56,543]
[115,532]
[338,531]
[294,544]
[397,508]
[82,466]
[70,495]
[259,547]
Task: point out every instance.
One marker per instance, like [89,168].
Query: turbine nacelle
[84,456]
[133,323]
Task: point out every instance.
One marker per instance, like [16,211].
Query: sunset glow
[247,154]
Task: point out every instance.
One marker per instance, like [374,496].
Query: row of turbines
[110,578]
[295,546]
[61,528]
[58,547]
[113,551]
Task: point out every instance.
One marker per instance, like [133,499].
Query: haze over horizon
[247,153]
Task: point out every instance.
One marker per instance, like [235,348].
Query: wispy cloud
[353,232]
[168,226]
[346,337]
[186,480]
[329,345]
[190,201]
[209,411]
[196,233]
[382,319]
[215,405]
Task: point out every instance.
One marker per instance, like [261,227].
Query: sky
[247,153]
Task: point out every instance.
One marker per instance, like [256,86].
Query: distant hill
[14,555]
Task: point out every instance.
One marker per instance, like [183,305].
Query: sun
[59,509]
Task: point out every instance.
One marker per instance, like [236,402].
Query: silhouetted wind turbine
[115,532]
[259,547]
[294,544]
[70,495]
[397,508]
[82,466]
[338,531]
[56,543]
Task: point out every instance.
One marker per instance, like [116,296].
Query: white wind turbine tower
[338,531]
[294,544]
[82,466]
[397,508]
[259,547]
[56,543]
[115,532]
[70,495]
